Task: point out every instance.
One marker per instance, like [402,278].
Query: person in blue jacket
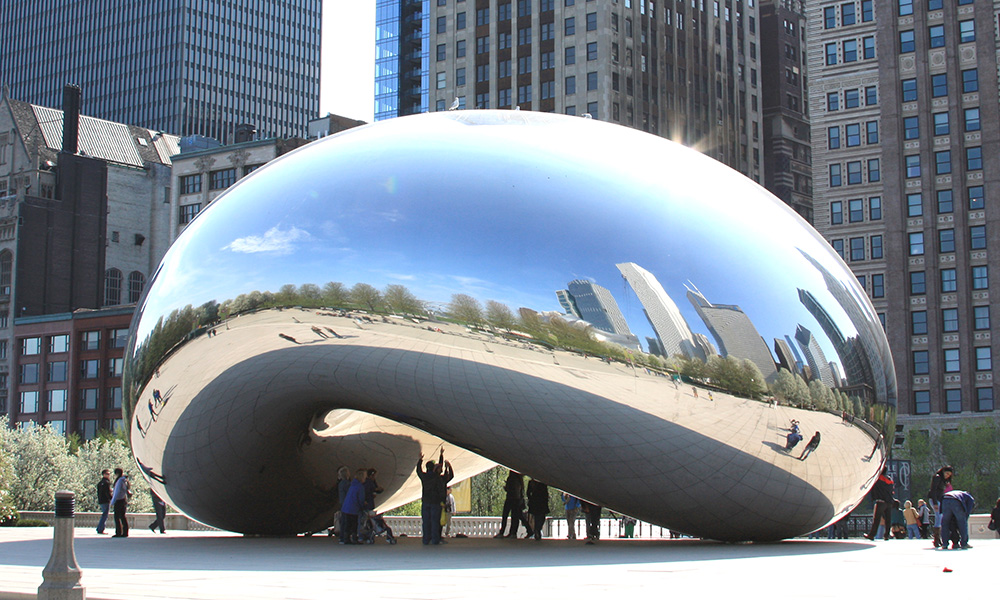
[956,506]
[354,503]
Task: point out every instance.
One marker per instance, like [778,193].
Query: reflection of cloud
[392,215]
[402,276]
[273,241]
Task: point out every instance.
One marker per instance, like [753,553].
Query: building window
[911,128]
[58,343]
[115,366]
[977,237]
[460,49]
[918,283]
[936,35]
[88,399]
[875,208]
[850,51]
[570,55]
[905,7]
[949,280]
[31,346]
[981,317]
[829,17]
[504,41]
[460,21]
[946,241]
[853,134]
[832,101]
[838,247]
[592,81]
[833,137]
[548,31]
[119,337]
[977,199]
[913,166]
[921,365]
[984,399]
[952,363]
[921,402]
[876,246]
[942,162]
[90,369]
[442,52]
[442,24]
[90,340]
[592,21]
[945,204]
[939,85]
[984,360]
[114,397]
[953,401]
[28,374]
[878,285]
[867,11]
[966,31]
[57,371]
[483,44]
[592,51]
[136,283]
[857,246]
[442,80]
[914,205]
[836,212]
[835,179]
[503,68]
[831,53]
[523,65]
[918,322]
[524,94]
[970,81]
[569,26]
[221,179]
[972,119]
[548,89]
[871,132]
[871,95]
[570,86]
[941,126]
[482,16]
[874,172]
[188,212]
[974,158]
[854,172]
[503,97]
[57,400]
[855,210]
[949,320]
[112,287]
[906,42]
[909,90]
[191,184]
[980,278]
[868,43]
[592,109]
[29,402]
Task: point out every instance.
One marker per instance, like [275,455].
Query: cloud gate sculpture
[612,313]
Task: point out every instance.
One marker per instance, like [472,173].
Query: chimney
[71,117]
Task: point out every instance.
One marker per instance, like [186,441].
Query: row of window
[113,287]
[949,320]
[856,210]
[936,36]
[942,162]
[949,280]
[856,247]
[952,400]
[945,201]
[906,6]
[56,400]
[946,240]
[89,340]
[848,13]
[847,51]
[952,362]
[852,98]
[852,135]
[939,85]
[855,172]
[941,123]
[57,370]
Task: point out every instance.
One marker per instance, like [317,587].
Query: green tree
[401,300]
[310,294]
[366,295]
[335,294]
[499,315]
[465,309]
[288,295]
[783,387]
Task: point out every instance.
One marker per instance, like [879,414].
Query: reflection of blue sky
[505,214]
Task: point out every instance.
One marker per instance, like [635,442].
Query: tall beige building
[906,155]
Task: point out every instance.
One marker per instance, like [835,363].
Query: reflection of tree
[401,300]
[366,295]
[465,309]
[499,315]
[335,294]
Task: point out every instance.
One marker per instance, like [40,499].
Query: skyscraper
[735,333]
[819,367]
[688,72]
[181,66]
[908,90]
[672,331]
[598,307]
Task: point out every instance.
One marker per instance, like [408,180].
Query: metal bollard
[61,576]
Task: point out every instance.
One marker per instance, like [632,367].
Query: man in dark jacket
[882,495]
[434,481]
[104,498]
[354,504]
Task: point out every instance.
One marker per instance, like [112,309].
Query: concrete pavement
[200,565]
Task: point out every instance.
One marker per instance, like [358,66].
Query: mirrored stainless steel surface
[521,288]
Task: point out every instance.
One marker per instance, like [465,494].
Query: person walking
[882,495]
[513,506]
[812,445]
[592,514]
[160,508]
[119,502]
[104,499]
[572,506]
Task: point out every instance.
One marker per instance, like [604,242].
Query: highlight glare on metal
[497,282]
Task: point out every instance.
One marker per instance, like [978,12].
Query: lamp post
[61,576]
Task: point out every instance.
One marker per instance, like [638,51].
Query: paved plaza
[199,565]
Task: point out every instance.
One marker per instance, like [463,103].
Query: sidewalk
[200,565]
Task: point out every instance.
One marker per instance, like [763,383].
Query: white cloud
[274,241]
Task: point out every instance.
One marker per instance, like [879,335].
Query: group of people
[533,519]
[795,436]
[945,515]
[357,520]
[113,498]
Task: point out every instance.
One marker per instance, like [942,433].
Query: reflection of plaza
[248,412]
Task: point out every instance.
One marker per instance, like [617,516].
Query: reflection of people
[160,508]
[812,445]
[956,506]
[104,498]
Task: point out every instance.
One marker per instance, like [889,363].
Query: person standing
[513,505]
[940,484]
[956,506]
[592,514]
[882,495]
[995,518]
[119,502]
[354,504]
[572,506]
[912,517]
[104,499]
[538,505]
[449,510]
[924,513]
[434,481]
[160,508]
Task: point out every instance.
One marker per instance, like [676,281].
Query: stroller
[374,526]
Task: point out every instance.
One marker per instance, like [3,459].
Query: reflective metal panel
[522,288]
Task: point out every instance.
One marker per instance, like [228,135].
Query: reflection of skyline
[672,331]
[734,333]
[819,367]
